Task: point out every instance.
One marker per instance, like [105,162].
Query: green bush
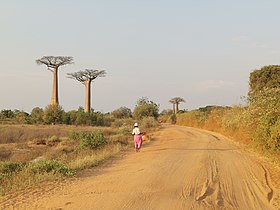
[6,168]
[73,135]
[122,112]
[50,166]
[145,108]
[53,114]
[91,140]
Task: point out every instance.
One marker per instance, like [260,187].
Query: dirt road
[184,168]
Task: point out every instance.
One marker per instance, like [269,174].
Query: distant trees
[7,113]
[175,102]
[53,63]
[86,77]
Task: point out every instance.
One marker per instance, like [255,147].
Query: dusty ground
[184,168]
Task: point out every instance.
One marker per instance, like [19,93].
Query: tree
[122,112]
[145,108]
[36,116]
[266,78]
[21,117]
[173,105]
[53,114]
[7,113]
[176,101]
[53,63]
[86,77]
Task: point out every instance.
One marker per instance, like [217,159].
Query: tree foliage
[36,116]
[267,77]
[86,75]
[122,112]
[53,62]
[53,114]
[145,108]
[7,113]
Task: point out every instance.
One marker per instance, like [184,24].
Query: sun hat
[135,124]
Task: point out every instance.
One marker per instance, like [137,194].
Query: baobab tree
[173,105]
[53,63]
[86,77]
[176,101]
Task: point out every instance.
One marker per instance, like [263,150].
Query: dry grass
[88,159]
[24,179]
[24,133]
[30,144]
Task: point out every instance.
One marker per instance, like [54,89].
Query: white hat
[135,124]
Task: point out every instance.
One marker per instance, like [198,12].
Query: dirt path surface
[185,168]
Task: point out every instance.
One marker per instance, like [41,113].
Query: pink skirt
[137,141]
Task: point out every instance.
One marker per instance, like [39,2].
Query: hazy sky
[200,50]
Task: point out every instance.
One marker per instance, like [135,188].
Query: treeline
[54,114]
[257,123]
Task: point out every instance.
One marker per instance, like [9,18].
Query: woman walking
[137,137]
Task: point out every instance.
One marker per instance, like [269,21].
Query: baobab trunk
[54,100]
[174,111]
[177,108]
[87,100]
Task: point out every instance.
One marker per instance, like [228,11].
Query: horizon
[200,51]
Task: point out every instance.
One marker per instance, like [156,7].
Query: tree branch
[87,75]
[53,62]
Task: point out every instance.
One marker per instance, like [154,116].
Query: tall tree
[53,63]
[176,101]
[267,77]
[86,77]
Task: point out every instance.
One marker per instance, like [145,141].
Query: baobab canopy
[53,62]
[87,74]
[86,77]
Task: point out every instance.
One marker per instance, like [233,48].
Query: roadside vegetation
[256,124]
[50,144]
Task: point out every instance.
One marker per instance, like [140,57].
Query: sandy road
[184,168]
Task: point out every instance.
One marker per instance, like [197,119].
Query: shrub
[122,112]
[53,114]
[145,108]
[6,168]
[36,116]
[167,116]
[148,123]
[50,166]
[91,140]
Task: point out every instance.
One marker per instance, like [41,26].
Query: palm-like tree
[175,102]
[86,77]
[53,63]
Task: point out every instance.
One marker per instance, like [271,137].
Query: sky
[200,50]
